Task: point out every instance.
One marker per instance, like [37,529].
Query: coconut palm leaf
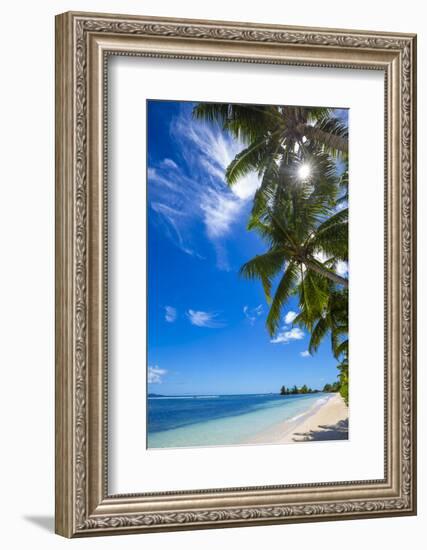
[244,122]
[287,127]
[314,265]
[284,290]
[313,294]
[319,332]
[331,236]
[341,348]
[296,217]
[330,133]
[264,267]
[253,158]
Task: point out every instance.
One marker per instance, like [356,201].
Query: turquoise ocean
[207,420]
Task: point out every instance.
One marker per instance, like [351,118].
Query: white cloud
[290,317]
[172,217]
[193,189]
[219,212]
[208,153]
[170,314]
[216,151]
[222,262]
[155,375]
[169,163]
[167,211]
[151,173]
[251,314]
[285,336]
[342,268]
[305,353]
[203,319]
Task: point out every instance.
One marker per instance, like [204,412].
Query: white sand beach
[326,422]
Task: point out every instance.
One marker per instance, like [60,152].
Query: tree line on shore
[328,388]
[295,390]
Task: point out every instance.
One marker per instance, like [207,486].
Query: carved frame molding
[83,43]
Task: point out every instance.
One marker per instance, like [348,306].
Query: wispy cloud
[252,314]
[170,314]
[215,150]
[172,219]
[219,212]
[155,375]
[285,336]
[204,319]
[305,353]
[169,163]
[192,188]
[290,317]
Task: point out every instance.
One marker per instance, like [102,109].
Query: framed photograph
[235,274]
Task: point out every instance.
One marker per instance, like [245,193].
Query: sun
[304,171]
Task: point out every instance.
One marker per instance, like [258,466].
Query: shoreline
[325,419]
[325,422]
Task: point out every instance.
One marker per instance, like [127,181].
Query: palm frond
[331,238]
[315,265]
[264,267]
[313,295]
[248,160]
[341,348]
[245,122]
[284,290]
[320,330]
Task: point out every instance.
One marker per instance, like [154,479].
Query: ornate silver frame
[83,505]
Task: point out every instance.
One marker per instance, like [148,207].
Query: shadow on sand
[325,432]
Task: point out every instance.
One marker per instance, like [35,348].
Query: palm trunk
[319,268]
[325,138]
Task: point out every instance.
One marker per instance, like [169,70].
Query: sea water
[203,420]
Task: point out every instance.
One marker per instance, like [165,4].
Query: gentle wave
[162,397]
[297,416]
[314,407]
[323,400]
[206,396]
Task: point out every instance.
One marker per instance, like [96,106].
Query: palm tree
[299,210]
[343,378]
[330,318]
[273,132]
[306,239]
[343,184]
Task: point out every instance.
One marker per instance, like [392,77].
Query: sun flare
[304,171]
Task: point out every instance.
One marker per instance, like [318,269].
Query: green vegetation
[331,388]
[300,211]
[296,391]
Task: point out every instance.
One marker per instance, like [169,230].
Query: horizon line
[222,394]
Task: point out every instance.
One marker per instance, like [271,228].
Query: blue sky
[206,324]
